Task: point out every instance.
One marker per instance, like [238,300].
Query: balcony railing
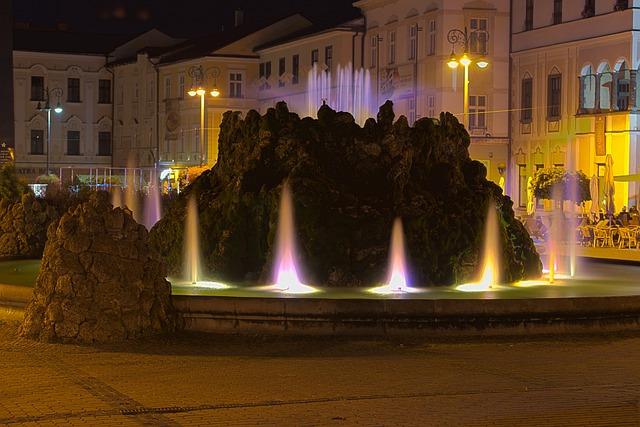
[607,92]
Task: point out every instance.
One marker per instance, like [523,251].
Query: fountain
[397,280]
[192,249]
[286,278]
[491,273]
[116,197]
[152,208]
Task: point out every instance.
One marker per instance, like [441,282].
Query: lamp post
[461,38]
[197,75]
[57,92]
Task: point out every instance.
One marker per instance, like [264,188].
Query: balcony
[608,92]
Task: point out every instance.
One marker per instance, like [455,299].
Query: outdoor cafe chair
[627,237]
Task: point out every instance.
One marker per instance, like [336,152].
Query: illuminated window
[526,102]
[373,62]
[328,57]
[432,37]
[523,195]
[477,112]
[554,92]
[265,74]
[478,37]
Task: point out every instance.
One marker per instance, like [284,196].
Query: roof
[56,41]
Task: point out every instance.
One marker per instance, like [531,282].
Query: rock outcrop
[99,280]
[23,226]
[348,184]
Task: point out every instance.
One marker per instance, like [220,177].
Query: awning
[627,178]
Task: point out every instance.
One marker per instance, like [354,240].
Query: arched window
[606,81]
[588,87]
[622,78]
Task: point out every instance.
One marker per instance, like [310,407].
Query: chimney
[238,17]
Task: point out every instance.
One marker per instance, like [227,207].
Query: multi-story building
[406,52]
[574,99]
[69,70]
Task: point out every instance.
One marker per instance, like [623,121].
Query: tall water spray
[491,259]
[192,242]
[152,207]
[286,278]
[116,197]
[397,275]
[130,196]
[556,235]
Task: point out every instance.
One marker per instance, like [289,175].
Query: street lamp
[57,92]
[461,38]
[197,75]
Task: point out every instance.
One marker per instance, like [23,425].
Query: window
[315,57]
[528,16]
[167,87]
[328,57]
[104,91]
[37,141]
[431,106]
[235,85]
[553,96]
[526,102]
[477,112]
[73,90]
[295,69]
[523,195]
[282,69]
[413,41]
[37,88]
[412,110]
[432,37]
[589,8]
[181,86]
[373,62]
[104,143]
[478,37]
[392,47]
[120,95]
[557,11]
[73,143]
[265,74]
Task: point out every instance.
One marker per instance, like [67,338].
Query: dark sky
[182,18]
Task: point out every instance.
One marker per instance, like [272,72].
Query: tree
[11,187]
[574,186]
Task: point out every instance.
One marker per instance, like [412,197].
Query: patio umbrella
[595,196]
[531,201]
[609,186]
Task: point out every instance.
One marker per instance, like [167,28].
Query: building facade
[6,76]
[574,98]
[406,52]
[80,136]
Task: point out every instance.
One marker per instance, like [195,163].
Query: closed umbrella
[595,197]
[609,186]
[531,201]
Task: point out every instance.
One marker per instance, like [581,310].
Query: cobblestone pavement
[212,380]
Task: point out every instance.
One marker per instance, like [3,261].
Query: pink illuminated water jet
[152,208]
[397,276]
[286,274]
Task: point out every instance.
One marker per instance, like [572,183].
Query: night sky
[178,18]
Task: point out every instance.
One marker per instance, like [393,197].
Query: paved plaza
[213,380]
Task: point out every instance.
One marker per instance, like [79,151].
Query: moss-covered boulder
[348,184]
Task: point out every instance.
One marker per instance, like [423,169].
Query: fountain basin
[594,302]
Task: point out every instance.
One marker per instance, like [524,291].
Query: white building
[574,96]
[407,50]
[71,69]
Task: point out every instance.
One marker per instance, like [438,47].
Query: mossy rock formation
[99,280]
[348,184]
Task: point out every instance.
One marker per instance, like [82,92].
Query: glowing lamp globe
[482,63]
[215,92]
[465,61]
[192,92]
[200,91]
[58,109]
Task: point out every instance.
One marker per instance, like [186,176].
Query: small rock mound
[99,280]
[23,226]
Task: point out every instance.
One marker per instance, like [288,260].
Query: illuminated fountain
[286,277]
[397,280]
[491,273]
[192,249]
[152,208]
[116,197]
